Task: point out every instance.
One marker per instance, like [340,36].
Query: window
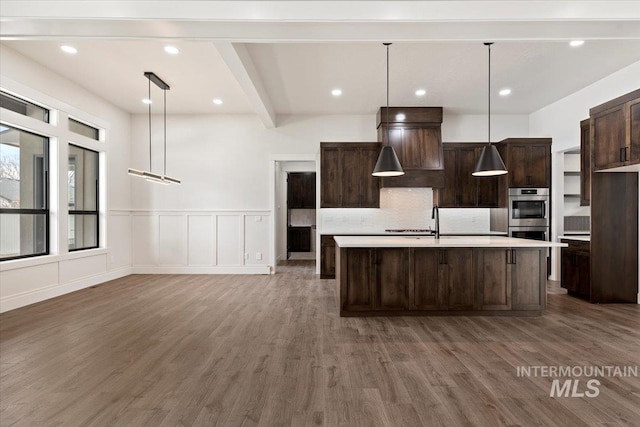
[24,194]
[82,179]
[84,129]
[23,107]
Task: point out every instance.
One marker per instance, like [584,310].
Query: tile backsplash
[403,208]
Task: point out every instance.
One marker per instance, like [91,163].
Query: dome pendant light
[388,163]
[489,163]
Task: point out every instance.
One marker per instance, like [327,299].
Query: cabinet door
[467,183]
[458,273]
[429,141]
[585,163]
[301,190]
[447,196]
[358,292]
[309,191]
[370,185]
[327,257]
[633,154]
[494,279]
[426,290]
[392,278]
[351,177]
[529,274]
[299,239]
[331,177]
[608,138]
[519,156]
[583,266]
[539,166]
[569,272]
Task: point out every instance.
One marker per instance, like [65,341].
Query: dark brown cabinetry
[614,237]
[576,269]
[615,132]
[298,239]
[415,135]
[461,188]
[301,190]
[528,161]
[413,280]
[585,162]
[327,257]
[391,278]
[346,180]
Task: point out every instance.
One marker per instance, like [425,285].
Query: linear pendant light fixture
[388,163]
[489,163]
[148,175]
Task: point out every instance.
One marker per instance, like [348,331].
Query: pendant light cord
[165,132]
[150,169]
[388,131]
[489,95]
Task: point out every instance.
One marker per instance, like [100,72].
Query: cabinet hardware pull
[622,153]
[508,252]
[513,256]
[626,151]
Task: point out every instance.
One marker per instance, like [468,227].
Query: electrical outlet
[258,219]
[246,255]
[259,256]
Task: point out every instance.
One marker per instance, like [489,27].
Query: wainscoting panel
[145,239]
[230,239]
[202,240]
[81,268]
[256,237]
[172,250]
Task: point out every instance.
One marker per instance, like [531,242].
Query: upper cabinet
[345,175]
[414,133]
[528,161]
[461,189]
[301,190]
[615,132]
[585,162]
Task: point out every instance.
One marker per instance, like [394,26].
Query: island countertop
[442,242]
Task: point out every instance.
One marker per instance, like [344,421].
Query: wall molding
[22,299]
[261,269]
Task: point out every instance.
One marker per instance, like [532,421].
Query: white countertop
[386,233]
[576,237]
[443,242]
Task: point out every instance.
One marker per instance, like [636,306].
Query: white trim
[189,211]
[47,292]
[239,269]
[16,264]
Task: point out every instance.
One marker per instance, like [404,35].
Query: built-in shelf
[571,173]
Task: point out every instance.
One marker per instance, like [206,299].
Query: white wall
[561,121]
[31,280]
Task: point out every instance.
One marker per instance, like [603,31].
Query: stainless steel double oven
[529,213]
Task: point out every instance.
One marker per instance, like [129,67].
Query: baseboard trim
[258,269]
[13,302]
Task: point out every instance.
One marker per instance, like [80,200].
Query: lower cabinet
[298,239]
[399,280]
[575,267]
[327,257]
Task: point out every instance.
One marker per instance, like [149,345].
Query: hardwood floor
[272,351]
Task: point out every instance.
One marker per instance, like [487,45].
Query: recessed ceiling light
[336,92]
[146,101]
[400,117]
[171,50]
[576,43]
[505,92]
[421,92]
[217,101]
[69,49]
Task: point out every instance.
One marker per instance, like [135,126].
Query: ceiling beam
[237,58]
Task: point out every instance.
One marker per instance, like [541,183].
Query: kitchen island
[422,275]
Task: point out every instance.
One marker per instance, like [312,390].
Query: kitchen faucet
[435,214]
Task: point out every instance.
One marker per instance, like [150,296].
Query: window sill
[16,264]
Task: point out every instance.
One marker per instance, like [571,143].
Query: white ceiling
[298,77]
[284,57]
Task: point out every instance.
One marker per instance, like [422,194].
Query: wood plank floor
[202,350]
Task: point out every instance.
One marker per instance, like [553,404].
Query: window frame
[44,211]
[81,213]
